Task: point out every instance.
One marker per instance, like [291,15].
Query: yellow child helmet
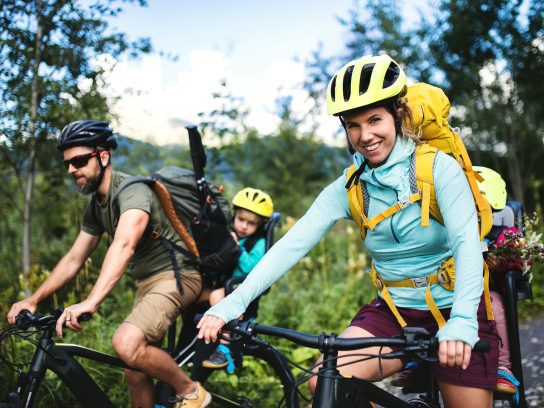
[363,82]
[254,200]
[493,187]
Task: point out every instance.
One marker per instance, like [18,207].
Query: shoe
[506,382]
[216,360]
[199,398]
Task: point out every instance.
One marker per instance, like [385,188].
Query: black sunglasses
[80,160]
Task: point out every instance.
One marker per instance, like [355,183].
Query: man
[86,146]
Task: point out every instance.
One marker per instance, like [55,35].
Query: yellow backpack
[430,109]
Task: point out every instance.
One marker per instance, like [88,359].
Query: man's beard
[90,186]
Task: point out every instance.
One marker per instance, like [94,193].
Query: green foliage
[49,76]
[291,168]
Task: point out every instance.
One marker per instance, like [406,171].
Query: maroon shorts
[377,319]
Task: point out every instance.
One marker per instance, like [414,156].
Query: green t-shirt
[150,256]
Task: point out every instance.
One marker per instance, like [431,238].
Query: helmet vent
[333,89]
[366,74]
[391,75]
[346,85]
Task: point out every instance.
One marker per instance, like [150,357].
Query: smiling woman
[409,256]
[372,133]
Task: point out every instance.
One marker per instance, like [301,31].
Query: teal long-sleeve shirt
[248,260]
[400,247]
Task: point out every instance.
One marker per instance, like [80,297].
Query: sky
[252,44]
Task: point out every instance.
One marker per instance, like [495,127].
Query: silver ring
[67,320]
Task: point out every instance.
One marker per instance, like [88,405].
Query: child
[252,208]
[493,188]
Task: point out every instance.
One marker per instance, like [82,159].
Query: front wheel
[419,403]
[263,379]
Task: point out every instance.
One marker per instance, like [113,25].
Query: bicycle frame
[59,358]
[333,391]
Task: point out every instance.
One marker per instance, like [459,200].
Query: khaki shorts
[158,302]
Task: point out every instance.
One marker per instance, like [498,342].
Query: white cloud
[154,107]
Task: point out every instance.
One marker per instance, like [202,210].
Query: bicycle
[335,391]
[59,358]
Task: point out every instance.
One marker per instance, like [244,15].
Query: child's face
[245,223]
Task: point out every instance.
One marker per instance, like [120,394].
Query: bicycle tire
[240,389]
[248,393]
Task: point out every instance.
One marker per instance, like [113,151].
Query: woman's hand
[209,326]
[454,353]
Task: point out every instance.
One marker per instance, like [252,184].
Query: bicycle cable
[184,350]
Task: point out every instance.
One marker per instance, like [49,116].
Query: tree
[227,119]
[49,76]
[489,58]
[492,57]
[292,168]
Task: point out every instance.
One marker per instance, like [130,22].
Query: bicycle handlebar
[25,319]
[412,339]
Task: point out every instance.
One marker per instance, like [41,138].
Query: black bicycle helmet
[90,133]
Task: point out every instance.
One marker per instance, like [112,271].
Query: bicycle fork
[332,391]
[29,384]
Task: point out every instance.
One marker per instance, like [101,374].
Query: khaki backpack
[430,109]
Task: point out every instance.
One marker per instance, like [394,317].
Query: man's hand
[453,353]
[17,307]
[70,316]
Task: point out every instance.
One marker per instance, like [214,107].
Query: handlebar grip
[198,317]
[23,319]
[482,346]
[85,317]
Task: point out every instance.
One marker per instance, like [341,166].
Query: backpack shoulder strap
[358,203]
[164,197]
[355,199]
[425,156]
[483,208]
[250,242]
[126,182]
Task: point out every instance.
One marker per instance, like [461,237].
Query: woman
[366,94]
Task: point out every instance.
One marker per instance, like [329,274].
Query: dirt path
[531,337]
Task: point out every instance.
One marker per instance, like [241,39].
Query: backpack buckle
[420,282]
[403,204]
[443,277]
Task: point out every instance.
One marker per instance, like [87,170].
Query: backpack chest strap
[399,205]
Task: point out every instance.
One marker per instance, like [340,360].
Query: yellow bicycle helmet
[254,200]
[364,82]
[493,187]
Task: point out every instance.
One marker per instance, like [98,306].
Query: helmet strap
[102,167]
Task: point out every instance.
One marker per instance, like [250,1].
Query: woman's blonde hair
[404,120]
